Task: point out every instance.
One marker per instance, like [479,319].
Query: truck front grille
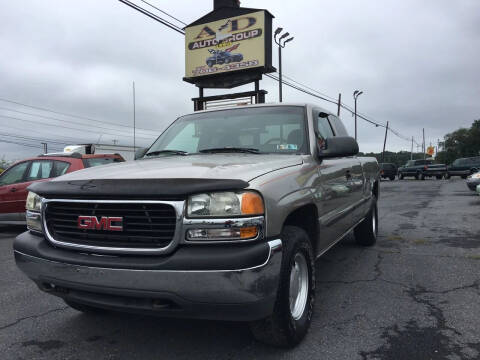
[144,225]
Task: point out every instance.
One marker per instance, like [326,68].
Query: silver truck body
[334,195]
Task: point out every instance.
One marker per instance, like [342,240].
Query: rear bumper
[242,294]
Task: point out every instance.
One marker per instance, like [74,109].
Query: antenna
[134,117]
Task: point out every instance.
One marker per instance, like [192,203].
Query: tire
[366,232]
[422,176]
[209,64]
[289,323]
[447,176]
[86,309]
[439,177]
[417,176]
[464,176]
[400,176]
[392,178]
[228,61]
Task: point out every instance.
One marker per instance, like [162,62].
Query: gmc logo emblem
[105,223]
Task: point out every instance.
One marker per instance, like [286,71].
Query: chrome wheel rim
[298,286]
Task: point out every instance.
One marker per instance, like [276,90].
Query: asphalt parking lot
[415,295]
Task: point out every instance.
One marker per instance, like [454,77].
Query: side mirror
[140,153]
[340,146]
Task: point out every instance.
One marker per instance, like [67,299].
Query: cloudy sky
[416,61]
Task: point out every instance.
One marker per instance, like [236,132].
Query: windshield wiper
[231,149]
[159,152]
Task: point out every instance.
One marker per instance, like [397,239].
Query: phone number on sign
[204,70]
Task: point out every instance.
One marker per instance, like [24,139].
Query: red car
[15,180]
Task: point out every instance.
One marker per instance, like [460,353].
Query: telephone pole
[45,148]
[411,152]
[385,143]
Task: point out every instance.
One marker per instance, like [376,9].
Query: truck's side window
[61,168]
[324,128]
[337,124]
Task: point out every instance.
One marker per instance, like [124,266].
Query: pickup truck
[421,169]
[464,167]
[222,217]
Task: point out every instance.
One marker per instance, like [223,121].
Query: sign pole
[280,81]
[339,103]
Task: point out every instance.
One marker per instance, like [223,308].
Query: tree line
[461,143]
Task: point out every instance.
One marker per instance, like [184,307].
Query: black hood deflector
[133,189]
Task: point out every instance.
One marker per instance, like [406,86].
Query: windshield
[410,163]
[276,129]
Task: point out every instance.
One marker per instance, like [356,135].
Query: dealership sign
[228,45]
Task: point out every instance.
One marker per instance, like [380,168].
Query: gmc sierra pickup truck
[222,217]
[421,169]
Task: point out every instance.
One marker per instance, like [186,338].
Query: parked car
[473,181]
[464,167]
[15,180]
[421,169]
[478,189]
[221,218]
[388,170]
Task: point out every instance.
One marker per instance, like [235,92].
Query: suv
[388,170]
[221,218]
[421,169]
[15,180]
[464,167]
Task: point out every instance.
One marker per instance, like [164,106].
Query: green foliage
[4,163]
[399,159]
[461,143]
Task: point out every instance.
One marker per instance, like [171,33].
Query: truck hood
[205,166]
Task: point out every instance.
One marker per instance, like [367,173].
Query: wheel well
[306,218]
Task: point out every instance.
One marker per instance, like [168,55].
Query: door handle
[13,190]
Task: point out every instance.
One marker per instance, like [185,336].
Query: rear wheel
[292,314]
[417,176]
[392,178]
[400,176]
[439,177]
[210,63]
[447,176]
[422,176]
[366,232]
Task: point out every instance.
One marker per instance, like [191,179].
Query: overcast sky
[417,62]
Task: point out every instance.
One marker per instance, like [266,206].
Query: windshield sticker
[287,147]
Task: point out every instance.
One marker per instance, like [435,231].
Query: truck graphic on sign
[220,57]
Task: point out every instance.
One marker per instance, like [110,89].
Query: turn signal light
[252,204]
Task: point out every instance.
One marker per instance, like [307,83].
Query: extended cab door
[337,184]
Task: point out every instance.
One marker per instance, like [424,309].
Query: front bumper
[473,183]
[241,294]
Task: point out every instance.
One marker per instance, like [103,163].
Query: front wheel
[400,176]
[293,310]
[366,232]
[392,178]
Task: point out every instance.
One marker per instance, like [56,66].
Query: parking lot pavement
[415,295]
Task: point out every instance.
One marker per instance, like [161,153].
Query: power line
[164,12]
[67,114]
[66,127]
[25,144]
[153,16]
[33,139]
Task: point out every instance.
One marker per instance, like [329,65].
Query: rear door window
[39,170]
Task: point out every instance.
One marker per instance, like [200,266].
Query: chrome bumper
[242,294]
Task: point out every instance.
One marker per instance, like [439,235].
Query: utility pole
[134,118]
[411,152]
[424,153]
[45,148]
[385,143]
[339,104]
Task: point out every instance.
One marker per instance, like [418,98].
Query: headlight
[34,202]
[476,176]
[225,204]
[33,215]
